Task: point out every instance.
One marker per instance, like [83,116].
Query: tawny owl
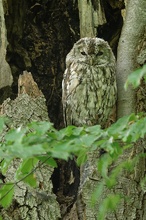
[89,83]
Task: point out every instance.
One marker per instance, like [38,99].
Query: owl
[89,83]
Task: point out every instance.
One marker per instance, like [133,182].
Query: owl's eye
[100,53]
[83,53]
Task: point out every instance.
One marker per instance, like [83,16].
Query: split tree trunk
[91,16]
[29,203]
[40,45]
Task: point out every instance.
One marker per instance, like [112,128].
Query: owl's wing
[71,81]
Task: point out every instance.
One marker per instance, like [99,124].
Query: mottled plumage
[89,83]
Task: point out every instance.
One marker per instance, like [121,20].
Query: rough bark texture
[40,34]
[94,11]
[28,203]
[141,91]
[132,54]
[5,71]
[132,42]
[41,38]
[132,206]
[133,33]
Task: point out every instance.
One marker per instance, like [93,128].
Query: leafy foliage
[135,77]
[41,142]
[109,204]
[6,194]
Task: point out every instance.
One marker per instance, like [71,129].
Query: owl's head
[90,51]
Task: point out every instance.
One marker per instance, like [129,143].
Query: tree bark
[39,41]
[132,206]
[91,16]
[29,203]
[5,71]
[130,45]
[133,33]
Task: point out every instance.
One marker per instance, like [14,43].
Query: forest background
[35,36]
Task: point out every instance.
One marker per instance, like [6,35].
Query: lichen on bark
[29,203]
[5,71]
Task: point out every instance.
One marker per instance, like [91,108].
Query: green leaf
[136,130]
[112,201]
[15,135]
[97,193]
[112,180]
[28,164]
[135,77]
[77,131]
[103,164]
[6,195]
[41,127]
[100,143]
[24,171]
[88,140]
[109,204]
[3,154]
[64,149]
[31,151]
[31,180]
[68,131]
[4,165]
[116,150]
[96,129]
[48,160]
[82,157]
[121,125]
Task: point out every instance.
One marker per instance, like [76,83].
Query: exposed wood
[91,16]
[29,203]
[5,71]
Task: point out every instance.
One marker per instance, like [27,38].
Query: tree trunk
[28,203]
[131,53]
[132,36]
[94,13]
[5,71]
[40,34]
